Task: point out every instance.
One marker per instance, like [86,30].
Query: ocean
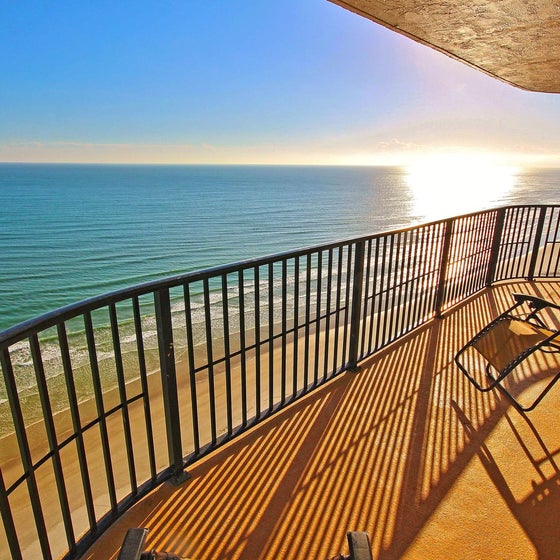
[70,232]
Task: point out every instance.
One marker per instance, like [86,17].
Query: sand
[11,465]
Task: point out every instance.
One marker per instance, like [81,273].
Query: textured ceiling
[517,41]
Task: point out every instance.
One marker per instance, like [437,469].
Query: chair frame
[548,344]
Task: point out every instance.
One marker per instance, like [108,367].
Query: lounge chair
[134,539]
[517,340]
[360,549]
[133,544]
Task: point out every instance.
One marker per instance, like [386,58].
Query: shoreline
[39,447]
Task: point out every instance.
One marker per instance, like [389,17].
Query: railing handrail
[44,321]
[346,300]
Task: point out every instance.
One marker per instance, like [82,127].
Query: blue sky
[244,81]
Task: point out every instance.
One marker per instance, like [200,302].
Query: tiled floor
[406,450]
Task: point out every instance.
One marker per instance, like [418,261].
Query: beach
[9,454]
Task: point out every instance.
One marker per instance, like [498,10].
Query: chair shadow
[537,513]
[425,484]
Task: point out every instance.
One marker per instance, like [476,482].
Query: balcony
[406,449]
[305,394]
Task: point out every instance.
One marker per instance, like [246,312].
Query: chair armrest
[536,303]
[133,544]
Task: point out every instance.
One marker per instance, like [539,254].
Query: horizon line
[522,165]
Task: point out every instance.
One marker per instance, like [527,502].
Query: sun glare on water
[447,185]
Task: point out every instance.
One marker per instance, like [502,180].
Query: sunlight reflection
[447,185]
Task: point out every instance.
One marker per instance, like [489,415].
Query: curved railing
[103,400]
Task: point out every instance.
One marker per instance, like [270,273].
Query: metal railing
[103,400]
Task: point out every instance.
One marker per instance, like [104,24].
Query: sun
[445,185]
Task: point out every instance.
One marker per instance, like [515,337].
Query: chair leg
[484,389]
[522,408]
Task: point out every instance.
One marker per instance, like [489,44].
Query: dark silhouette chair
[134,539]
[517,340]
[133,544]
[360,549]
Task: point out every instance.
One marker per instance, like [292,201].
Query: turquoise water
[69,232]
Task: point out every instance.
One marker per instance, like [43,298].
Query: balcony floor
[406,450]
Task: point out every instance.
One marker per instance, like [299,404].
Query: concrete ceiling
[517,41]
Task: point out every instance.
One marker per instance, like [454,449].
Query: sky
[247,82]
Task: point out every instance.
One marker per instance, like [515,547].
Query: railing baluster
[500,247]
[442,268]
[242,344]
[356,306]
[468,258]
[122,395]
[318,317]
[536,243]
[374,299]
[379,342]
[415,281]
[457,254]
[8,522]
[307,320]
[388,310]
[506,247]
[328,315]
[192,368]
[227,353]
[366,298]
[270,337]
[529,221]
[396,285]
[347,300]
[553,243]
[409,273]
[295,343]
[522,237]
[53,442]
[76,423]
[257,341]
[210,360]
[25,452]
[284,328]
[336,349]
[546,261]
[433,250]
[169,384]
[483,255]
[145,388]
[423,274]
[98,394]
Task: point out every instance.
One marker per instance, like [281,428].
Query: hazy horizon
[243,83]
